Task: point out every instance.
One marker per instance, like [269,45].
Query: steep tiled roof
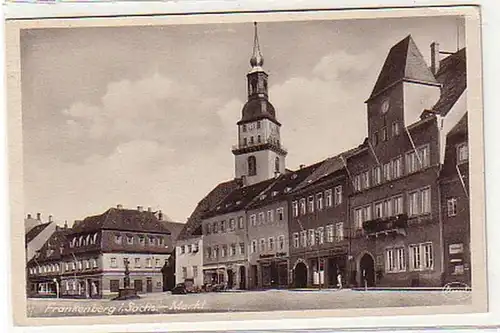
[121,219]
[239,198]
[51,250]
[174,227]
[404,62]
[283,185]
[207,203]
[453,76]
[35,231]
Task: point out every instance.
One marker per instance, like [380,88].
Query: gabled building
[37,233]
[268,219]
[225,238]
[397,234]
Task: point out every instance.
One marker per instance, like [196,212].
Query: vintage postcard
[247,166]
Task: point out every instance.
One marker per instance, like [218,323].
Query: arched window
[277,164]
[252,166]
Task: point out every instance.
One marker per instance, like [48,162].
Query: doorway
[149,285]
[300,275]
[367,270]
[230,278]
[242,277]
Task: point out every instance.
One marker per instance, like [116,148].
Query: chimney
[66,224]
[139,208]
[38,216]
[149,210]
[160,215]
[29,217]
[434,58]
[119,206]
[302,166]
[50,218]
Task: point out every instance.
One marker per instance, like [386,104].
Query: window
[232,224]
[209,252]
[303,210]
[365,180]
[339,231]
[142,240]
[419,201]
[384,134]
[321,235]
[277,164]
[328,196]
[190,248]
[184,272]
[462,152]
[379,210]
[387,171]
[262,245]
[367,213]
[233,250]
[118,239]
[357,183]
[113,263]
[303,238]
[254,246]
[397,167]
[426,200]
[244,128]
[281,243]
[452,206]
[413,204]
[258,138]
[271,243]
[377,175]
[270,216]
[295,208]
[158,263]
[224,251]
[395,260]
[424,156]
[261,218]
[87,264]
[421,256]
[258,124]
[280,214]
[151,240]
[310,201]
[358,218]
[398,205]
[114,285]
[253,220]
[240,222]
[329,233]
[215,252]
[137,262]
[251,142]
[311,237]
[252,163]
[223,226]
[130,239]
[395,129]
[195,271]
[245,142]
[296,243]
[209,228]
[319,201]
[148,262]
[183,249]
[242,248]
[338,195]
[375,138]
[215,227]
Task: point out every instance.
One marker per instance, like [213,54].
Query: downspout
[441,224]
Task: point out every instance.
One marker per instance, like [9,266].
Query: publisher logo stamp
[458,290]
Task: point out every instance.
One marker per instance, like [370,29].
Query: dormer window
[462,153]
[244,128]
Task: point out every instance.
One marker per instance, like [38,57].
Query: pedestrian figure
[339,280]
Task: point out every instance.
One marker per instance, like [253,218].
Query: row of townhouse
[88,260]
[393,211]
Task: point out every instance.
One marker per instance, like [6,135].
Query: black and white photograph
[251,165]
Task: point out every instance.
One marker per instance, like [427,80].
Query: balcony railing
[398,224]
[273,143]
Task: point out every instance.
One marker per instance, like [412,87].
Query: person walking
[339,280]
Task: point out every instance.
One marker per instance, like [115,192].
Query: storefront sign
[264,256]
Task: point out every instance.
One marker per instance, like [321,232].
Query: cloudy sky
[147,115]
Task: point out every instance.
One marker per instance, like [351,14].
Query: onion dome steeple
[257,60]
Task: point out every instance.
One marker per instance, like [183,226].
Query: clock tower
[259,154]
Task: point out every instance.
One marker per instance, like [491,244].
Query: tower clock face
[385,106]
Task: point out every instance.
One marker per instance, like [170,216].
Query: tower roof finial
[257,60]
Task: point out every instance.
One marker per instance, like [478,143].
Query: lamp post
[57,287]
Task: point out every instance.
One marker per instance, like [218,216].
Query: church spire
[257,60]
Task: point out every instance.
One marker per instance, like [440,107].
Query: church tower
[259,154]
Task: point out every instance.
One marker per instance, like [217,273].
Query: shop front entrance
[300,275]
[367,270]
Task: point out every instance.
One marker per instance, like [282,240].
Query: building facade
[189,260]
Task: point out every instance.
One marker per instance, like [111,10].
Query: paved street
[271,300]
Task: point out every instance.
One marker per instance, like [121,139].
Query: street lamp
[57,287]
